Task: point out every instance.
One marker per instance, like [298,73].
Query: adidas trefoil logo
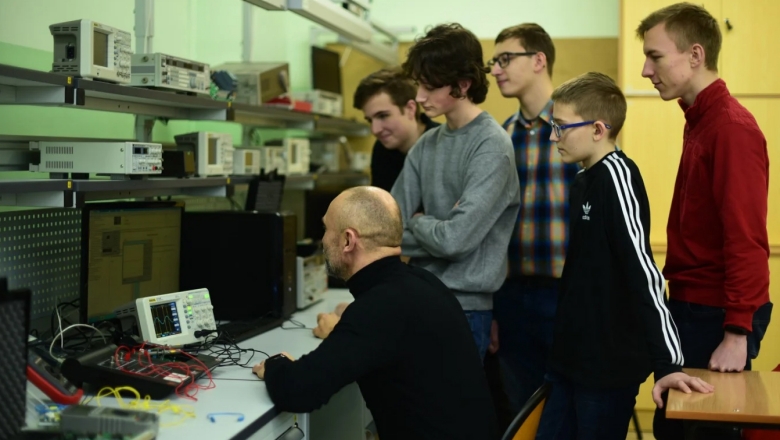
[586,209]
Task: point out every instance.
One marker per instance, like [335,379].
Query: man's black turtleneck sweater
[406,342]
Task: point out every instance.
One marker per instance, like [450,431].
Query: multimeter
[49,380]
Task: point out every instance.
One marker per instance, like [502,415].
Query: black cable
[86,338]
[199,333]
[64,321]
[297,325]
[231,354]
[81,340]
[224,347]
[53,316]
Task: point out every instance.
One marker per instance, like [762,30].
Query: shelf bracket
[144,126]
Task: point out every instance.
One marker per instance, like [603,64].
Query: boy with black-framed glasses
[524,307]
[612,327]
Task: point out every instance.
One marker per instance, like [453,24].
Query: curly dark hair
[446,55]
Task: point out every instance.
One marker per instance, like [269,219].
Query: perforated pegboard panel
[13,338]
[41,250]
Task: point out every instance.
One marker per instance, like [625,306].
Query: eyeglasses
[504,58]
[559,128]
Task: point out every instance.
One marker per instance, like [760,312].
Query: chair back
[525,424]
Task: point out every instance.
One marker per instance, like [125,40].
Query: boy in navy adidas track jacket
[612,326]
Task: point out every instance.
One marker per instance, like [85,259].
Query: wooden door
[749,55]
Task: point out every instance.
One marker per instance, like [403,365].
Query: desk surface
[246,395]
[747,397]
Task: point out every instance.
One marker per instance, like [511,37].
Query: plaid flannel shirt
[540,236]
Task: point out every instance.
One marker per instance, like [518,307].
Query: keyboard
[238,331]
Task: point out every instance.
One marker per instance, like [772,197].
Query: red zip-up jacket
[718,248]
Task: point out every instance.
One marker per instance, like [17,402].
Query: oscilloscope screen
[166,319]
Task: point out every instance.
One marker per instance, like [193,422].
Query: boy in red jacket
[718,249]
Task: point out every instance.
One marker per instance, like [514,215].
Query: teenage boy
[524,307]
[458,191]
[717,261]
[612,328]
[386,98]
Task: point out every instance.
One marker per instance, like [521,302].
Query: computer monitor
[245,259]
[265,192]
[129,250]
[325,70]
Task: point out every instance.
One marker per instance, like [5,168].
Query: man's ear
[698,56]
[464,85]
[410,109]
[540,62]
[599,131]
[350,243]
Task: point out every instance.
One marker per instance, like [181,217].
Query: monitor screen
[265,192]
[129,251]
[100,49]
[212,150]
[325,70]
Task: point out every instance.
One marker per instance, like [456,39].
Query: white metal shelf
[135,100]
[70,193]
[19,86]
[32,87]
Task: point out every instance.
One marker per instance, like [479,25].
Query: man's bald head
[372,212]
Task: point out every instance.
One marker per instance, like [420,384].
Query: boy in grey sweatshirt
[458,191]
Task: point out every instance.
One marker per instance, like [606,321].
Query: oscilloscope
[172,319]
[92,50]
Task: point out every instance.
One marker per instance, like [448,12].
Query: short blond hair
[687,24]
[594,96]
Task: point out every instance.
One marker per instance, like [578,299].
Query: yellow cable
[147,404]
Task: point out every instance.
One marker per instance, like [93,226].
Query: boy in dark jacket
[612,326]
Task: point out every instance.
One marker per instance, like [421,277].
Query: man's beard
[333,270]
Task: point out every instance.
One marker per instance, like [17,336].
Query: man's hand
[325,324]
[340,308]
[493,347]
[731,354]
[259,369]
[679,381]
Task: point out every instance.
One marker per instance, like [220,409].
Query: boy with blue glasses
[612,327]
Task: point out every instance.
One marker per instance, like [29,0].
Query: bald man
[404,339]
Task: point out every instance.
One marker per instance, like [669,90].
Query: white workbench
[261,419]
